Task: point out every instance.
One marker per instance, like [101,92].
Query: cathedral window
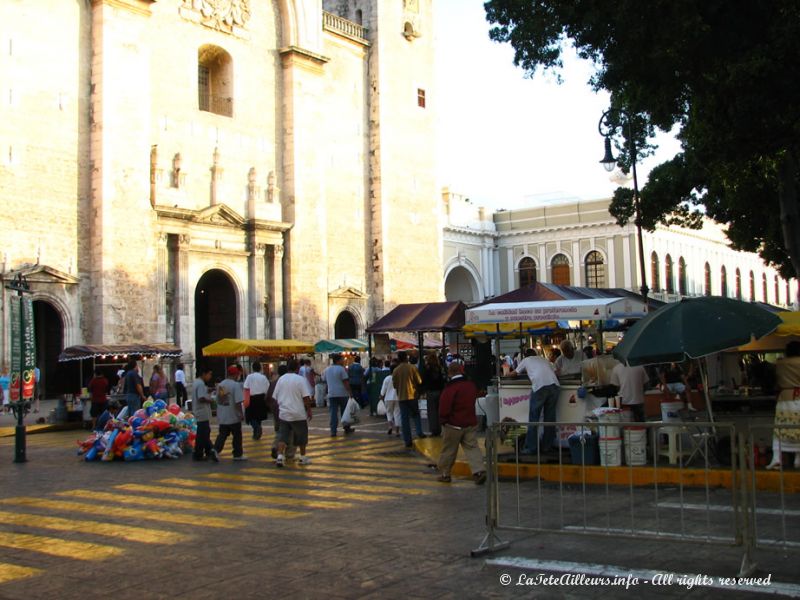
[421,98]
[215,81]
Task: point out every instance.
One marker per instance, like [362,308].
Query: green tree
[725,72]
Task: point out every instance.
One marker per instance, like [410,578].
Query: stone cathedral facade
[185,170]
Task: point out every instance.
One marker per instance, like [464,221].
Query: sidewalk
[8,421]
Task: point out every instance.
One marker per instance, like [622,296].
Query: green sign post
[23,361]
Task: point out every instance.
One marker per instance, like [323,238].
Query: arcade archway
[49,330]
[461,285]
[345,326]
[215,315]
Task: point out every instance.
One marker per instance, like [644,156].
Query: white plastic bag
[381,408]
[350,415]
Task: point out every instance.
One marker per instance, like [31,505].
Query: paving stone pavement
[365,520]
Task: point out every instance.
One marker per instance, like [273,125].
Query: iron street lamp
[21,407]
[608,129]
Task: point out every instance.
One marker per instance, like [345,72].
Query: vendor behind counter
[568,364]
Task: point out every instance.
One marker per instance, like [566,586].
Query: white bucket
[669,411]
[608,415]
[635,446]
[610,452]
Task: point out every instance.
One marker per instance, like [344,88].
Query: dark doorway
[49,330]
[214,315]
[345,327]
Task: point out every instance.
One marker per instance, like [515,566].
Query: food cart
[576,399]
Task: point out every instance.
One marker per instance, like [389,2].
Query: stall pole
[704,378]
[497,356]
[421,354]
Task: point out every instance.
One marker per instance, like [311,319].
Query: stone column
[183,320]
[255,292]
[216,175]
[162,272]
[276,294]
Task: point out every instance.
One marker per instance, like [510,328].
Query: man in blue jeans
[544,396]
[335,378]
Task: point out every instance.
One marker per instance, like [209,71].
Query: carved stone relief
[222,15]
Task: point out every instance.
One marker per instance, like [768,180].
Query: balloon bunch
[154,431]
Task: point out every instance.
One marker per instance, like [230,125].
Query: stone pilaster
[276,294]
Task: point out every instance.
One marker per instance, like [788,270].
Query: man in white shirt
[180,385]
[568,363]
[544,396]
[294,409]
[631,383]
[255,399]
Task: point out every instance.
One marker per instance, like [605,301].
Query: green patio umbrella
[693,328]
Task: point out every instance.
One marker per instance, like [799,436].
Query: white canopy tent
[592,309]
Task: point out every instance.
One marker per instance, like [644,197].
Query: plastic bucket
[669,411]
[608,415]
[635,446]
[611,452]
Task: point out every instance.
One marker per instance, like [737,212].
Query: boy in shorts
[294,407]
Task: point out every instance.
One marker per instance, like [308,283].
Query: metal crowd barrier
[709,495]
[772,502]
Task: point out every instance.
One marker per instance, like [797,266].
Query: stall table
[515,404]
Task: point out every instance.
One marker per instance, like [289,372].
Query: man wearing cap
[459,425]
[230,414]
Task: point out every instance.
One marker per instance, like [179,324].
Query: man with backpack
[230,399]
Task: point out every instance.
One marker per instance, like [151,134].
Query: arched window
[560,270]
[595,270]
[752,287]
[214,80]
[708,279]
[777,291]
[527,271]
[738,284]
[723,282]
[668,276]
[655,275]
[681,276]
[764,287]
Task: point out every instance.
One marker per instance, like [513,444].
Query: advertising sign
[23,348]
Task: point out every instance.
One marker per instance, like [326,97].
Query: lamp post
[21,406]
[608,129]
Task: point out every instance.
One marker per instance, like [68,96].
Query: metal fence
[693,481]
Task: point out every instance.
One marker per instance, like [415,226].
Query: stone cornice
[220,215]
[305,59]
[139,7]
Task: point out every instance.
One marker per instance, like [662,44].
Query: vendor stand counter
[515,404]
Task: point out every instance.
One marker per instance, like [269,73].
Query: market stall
[109,358]
[576,399]
[340,345]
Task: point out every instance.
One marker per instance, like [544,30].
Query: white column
[576,264]
[626,262]
[542,276]
[612,263]
[510,272]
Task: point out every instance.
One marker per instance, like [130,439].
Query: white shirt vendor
[631,382]
[539,371]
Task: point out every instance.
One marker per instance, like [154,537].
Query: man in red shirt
[459,425]
[98,388]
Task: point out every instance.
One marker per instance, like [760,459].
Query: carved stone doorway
[345,326]
[49,330]
[215,315]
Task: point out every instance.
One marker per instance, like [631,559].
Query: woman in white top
[389,396]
